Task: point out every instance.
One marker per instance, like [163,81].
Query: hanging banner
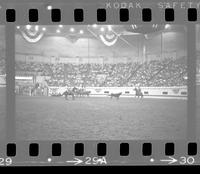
[32,33]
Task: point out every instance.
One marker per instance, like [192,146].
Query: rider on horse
[138,92]
[70,92]
[34,88]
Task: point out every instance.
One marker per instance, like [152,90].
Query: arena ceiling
[99,40]
[108,34]
[84,30]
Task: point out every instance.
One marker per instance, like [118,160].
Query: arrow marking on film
[171,160]
[76,161]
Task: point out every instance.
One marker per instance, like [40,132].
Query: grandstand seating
[166,72]
[2,66]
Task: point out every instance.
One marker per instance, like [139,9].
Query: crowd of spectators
[2,66]
[198,65]
[166,72]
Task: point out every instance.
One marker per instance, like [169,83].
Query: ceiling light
[72,29]
[81,32]
[155,26]
[109,27]
[102,29]
[57,31]
[36,27]
[134,26]
[94,25]
[28,27]
[167,26]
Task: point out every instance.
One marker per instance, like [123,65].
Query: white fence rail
[129,91]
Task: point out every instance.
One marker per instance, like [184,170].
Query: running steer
[115,95]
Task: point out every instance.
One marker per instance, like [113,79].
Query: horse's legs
[73,97]
[32,92]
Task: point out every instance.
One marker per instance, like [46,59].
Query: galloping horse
[138,92]
[71,92]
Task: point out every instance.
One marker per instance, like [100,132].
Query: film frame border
[112,146]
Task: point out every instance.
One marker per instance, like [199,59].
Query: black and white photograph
[2,84]
[198,79]
[100,82]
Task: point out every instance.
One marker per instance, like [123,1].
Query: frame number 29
[5,161]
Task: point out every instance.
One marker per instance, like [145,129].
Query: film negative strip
[99,83]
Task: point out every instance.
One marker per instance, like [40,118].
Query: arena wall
[180,92]
[2,80]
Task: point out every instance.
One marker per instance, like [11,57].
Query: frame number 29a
[95,160]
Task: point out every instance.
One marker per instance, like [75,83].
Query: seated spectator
[166,72]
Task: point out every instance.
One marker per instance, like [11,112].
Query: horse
[34,88]
[79,92]
[85,93]
[116,95]
[82,93]
[138,92]
[71,92]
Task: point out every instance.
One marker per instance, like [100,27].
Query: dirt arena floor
[53,118]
